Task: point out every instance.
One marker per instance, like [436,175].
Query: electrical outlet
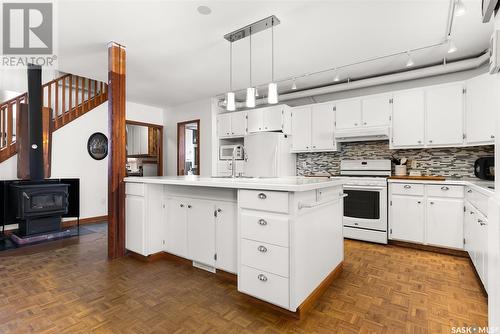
[414,164]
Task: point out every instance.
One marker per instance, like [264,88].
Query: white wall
[201,110]
[143,113]
[8,169]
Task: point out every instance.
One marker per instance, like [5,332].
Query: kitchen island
[282,237]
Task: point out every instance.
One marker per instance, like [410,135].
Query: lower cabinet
[445,218]
[427,214]
[201,230]
[476,240]
[407,218]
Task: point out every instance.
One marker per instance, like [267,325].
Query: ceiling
[176,55]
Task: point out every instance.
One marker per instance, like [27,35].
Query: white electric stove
[365,207]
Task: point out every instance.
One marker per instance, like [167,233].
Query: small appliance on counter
[484,168]
[226,152]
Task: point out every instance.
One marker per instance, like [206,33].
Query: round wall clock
[97,146]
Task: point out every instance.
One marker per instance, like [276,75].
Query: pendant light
[250,102]
[272,89]
[230,98]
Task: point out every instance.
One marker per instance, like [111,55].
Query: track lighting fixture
[409,62]
[459,8]
[451,46]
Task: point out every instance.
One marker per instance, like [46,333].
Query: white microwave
[226,152]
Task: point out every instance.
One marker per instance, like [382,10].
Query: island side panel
[317,242]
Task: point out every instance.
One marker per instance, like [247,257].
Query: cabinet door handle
[481,222]
[189,206]
[430,141]
[262,278]
[431,203]
[355,124]
[262,249]
[219,210]
[445,188]
[492,136]
[419,202]
[407,186]
[182,205]
[469,191]
[364,123]
[262,196]
[262,222]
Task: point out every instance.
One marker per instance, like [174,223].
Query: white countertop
[292,183]
[477,184]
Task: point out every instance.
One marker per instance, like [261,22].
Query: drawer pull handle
[262,278]
[262,222]
[469,191]
[431,203]
[407,186]
[189,206]
[262,196]
[262,249]
[481,222]
[182,205]
[445,188]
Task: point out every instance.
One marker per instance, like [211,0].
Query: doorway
[188,148]
[144,149]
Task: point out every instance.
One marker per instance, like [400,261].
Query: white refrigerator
[267,154]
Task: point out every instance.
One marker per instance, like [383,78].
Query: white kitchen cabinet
[313,128]
[348,114]
[226,237]
[201,231]
[301,129]
[224,125]
[406,220]
[444,115]
[376,110]
[144,213]
[444,223]
[273,118]
[322,127]
[135,224]
[176,237]
[481,106]
[408,119]
[238,124]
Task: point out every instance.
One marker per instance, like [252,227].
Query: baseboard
[435,249]
[309,302]
[83,221]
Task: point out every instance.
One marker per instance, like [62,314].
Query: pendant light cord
[250,56]
[272,50]
[230,66]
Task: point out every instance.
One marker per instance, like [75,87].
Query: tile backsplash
[451,162]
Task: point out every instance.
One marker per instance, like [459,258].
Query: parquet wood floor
[383,289]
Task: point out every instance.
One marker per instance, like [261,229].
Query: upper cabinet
[137,140]
[376,110]
[408,119]
[274,118]
[313,128]
[444,115]
[232,124]
[481,104]
[348,114]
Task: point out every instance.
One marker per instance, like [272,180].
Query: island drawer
[407,189]
[264,256]
[263,285]
[264,200]
[268,228]
[445,191]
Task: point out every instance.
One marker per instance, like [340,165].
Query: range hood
[362,134]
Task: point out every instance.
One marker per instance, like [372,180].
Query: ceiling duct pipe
[424,72]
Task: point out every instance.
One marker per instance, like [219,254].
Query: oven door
[365,207]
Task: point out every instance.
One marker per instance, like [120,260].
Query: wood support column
[117,151]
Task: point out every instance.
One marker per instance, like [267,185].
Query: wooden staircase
[68,97]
